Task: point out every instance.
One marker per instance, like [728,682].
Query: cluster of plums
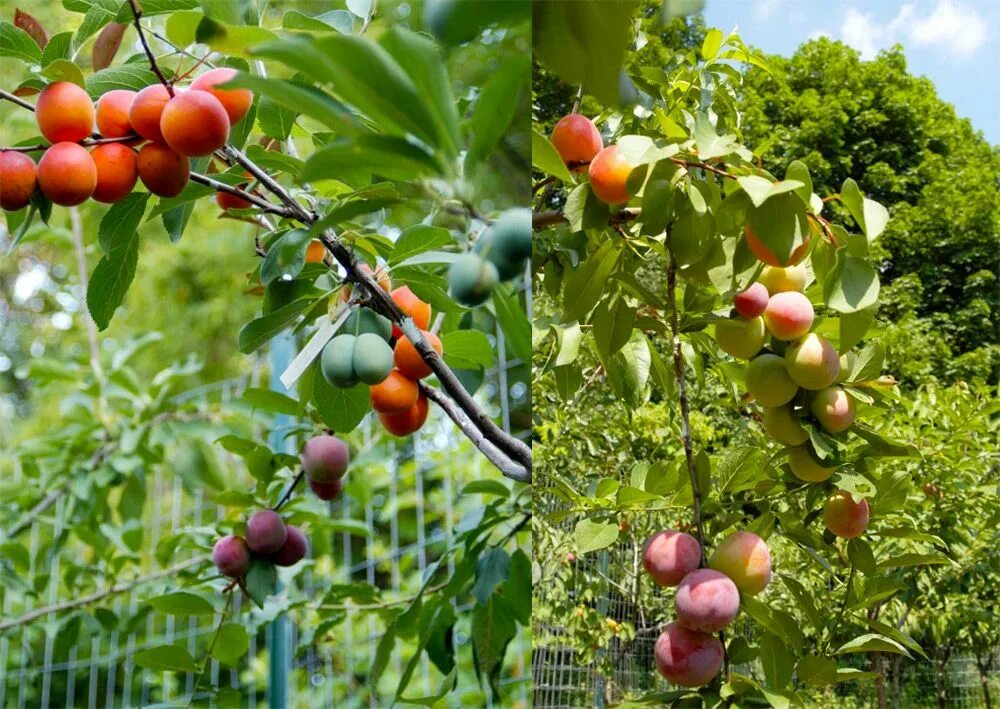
[369,349]
[194,122]
[499,254]
[267,538]
[707,599]
[794,374]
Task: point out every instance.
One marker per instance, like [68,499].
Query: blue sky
[955,43]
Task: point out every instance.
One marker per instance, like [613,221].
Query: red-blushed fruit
[162,171]
[687,657]
[570,557]
[236,102]
[294,549]
[577,140]
[408,360]
[67,174]
[112,113]
[18,179]
[765,255]
[609,171]
[707,601]
[409,422]
[231,201]
[812,362]
[117,172]
[325,458]
[64,112]
[844,517]
[669,556]
[789,315]
[266,532]
[746,560]
[231,556]
[395,395]
[315,253]
[834,409]
[751,302]
[194,123]
[410,304]
[327,491]
[146,110]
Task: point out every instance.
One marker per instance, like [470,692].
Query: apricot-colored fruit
[64,113]
[740,338]
[577,140]
[231,201]
[194,123]
[164,172]
[266,532]
[395,395]
[764,254]
[806,467]
[778,280]
[706,601]
[146,110]
[768,381]
[236,102]
[231,556]
[609,171]
[834,409]
[117,172]
[325,458]
[67,174]
[411,421]
[315,252]
[294,549]
[812,362]
[408,360]
[18,179]
[789,315]
[410,304]
[112,113]
[751,302]
[669,556]
[782,425]
[845,517]
[687,657]
[746,560]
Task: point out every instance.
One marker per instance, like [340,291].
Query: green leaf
[583,287]
[817,671]
[798,171]
[851,285]
[166,658]
[259,331]
[486,487]
[467,349]
[853,328]
[492,569]
[230,39]
[545,157]
[127,76]
[274,119]
[182,27]
[612,327]
[155,7]
[333,20]
[492,629]
[303,99]
[285,257]
[418,239]
[711,45]
[64,70]
[261,581]
[496,106]
[592,535]
[340,409]
[628,371]
[391,158]
[776,659]
[268,400]
[18,44]
[760,189]
[872,642]
[232,643]
[181,603]
[517,588]
[510,313]
[112,277]
[913,559]
[869,214]
[100,13]
[59,47]
[860,554]
[121,221]
[780,224]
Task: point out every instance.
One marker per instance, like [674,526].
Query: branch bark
[136,16]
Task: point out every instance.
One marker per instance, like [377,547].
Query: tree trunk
[983,664]
[939,670]
[897,669]
[878,659]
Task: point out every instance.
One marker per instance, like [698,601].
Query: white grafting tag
[312,349]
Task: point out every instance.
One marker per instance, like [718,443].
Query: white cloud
[765,8]
[862,32]
[816,34]
[951,27]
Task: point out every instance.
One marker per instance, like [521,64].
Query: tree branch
[288,493]
[85,143]
[543,220]
[243,194]
[136,16]
[16,99]
[36,511]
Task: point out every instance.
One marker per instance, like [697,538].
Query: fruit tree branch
[543,220]
[243,194]
[136,16]
[16,99]
[85,143]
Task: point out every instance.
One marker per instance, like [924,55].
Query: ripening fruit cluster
[500,254]
[707,599]
[794,376]
[370,349]
[194,122]
[267,538]
[580,145]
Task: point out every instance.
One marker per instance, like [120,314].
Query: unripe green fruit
[782,425]
[337,361]
[507,242]
[768,381]
[847,361]
[740,338]
[834,409]
[471,279]
[805,467]
[372,358]
[779,280]
[812,362]
[362,320]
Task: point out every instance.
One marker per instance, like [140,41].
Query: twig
[543,220]
[85,143]
[36,511]
[16,99]
[288,493]
[136,16]
[101,595]
[243,194]
[211,644]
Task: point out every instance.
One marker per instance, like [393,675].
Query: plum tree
[396,395]
[64,112]
[687,657]
[67,174]
[781,424]
[739,337]
[608,172]
[765,255]
[112,113]
[194,123]
[408,422]
[117,172]
[507,242]
[751,302]
[325,459]
[845,517]
[706,600]
[163,172]
[834,409]
[812,362]
[789,315]
[779,280]
[146,110]
[408,360]
[471,279]
[372,358]
[745,559]
[266,532]
[409,303]
[18,179]
[327,491]
[231,556]
[768,381]
[806,467]
[577,140]
[236,102]
[294,550]
[670,555]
